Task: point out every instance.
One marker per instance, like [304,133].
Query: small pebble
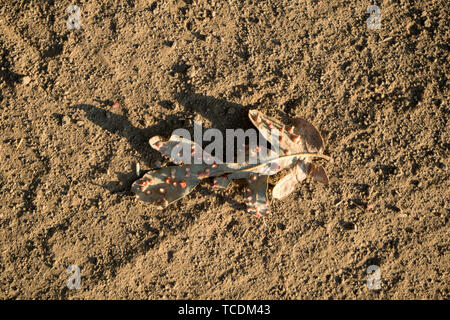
[26,80]
[66,119]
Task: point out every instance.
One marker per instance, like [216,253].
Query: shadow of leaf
[221,113]
[120,125]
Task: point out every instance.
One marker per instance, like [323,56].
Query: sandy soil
[380,98]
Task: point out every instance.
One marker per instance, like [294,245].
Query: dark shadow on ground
[221,113]
[119,124]
[137,138]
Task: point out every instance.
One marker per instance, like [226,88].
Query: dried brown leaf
[318,173]
[285,186]
[311,136]
[303,136]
